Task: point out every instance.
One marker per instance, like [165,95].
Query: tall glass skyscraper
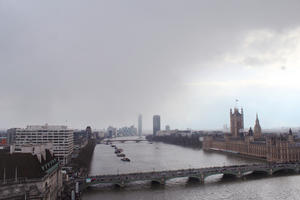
[140,124]
[156,124]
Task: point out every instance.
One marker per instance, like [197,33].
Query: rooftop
[26,165]
[46,127]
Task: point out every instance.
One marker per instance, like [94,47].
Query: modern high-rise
[140,124]
[167,127]
[111,132]
[127,131]
[156,124]
[11,135]
[60,136]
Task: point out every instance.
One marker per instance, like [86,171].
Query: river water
[159,156]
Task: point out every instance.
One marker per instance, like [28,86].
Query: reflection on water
[159,156]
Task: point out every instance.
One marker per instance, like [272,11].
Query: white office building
[60,136]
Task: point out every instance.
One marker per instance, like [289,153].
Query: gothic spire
[257,128]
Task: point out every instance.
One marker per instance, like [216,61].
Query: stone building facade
[30,172]
[271,147]
[236,122]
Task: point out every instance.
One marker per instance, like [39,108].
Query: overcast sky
[102,63]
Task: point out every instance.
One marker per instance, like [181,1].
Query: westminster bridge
[199,174]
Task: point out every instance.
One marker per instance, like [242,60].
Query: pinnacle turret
[257,128]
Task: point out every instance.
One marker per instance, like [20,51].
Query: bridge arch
[121,185]
[161,182]
[198,178]
[236,174]
[258,171]
[290,169]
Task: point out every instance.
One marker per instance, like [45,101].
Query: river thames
[160,156]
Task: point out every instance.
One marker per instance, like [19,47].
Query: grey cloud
[103,62]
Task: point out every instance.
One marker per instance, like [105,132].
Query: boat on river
[121,155]
[118,151]
[125,159]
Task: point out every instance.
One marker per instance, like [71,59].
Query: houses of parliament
[271,147]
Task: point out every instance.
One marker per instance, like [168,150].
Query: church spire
[257,128]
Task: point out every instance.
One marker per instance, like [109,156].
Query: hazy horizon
[102,63]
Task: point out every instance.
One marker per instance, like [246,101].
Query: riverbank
[237,154]
[82,163]
[79,168]
[186,141]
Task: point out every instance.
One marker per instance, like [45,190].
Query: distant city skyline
[165,124]
[117,59]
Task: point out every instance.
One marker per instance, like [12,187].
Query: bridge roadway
[125,140]
[200,174]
